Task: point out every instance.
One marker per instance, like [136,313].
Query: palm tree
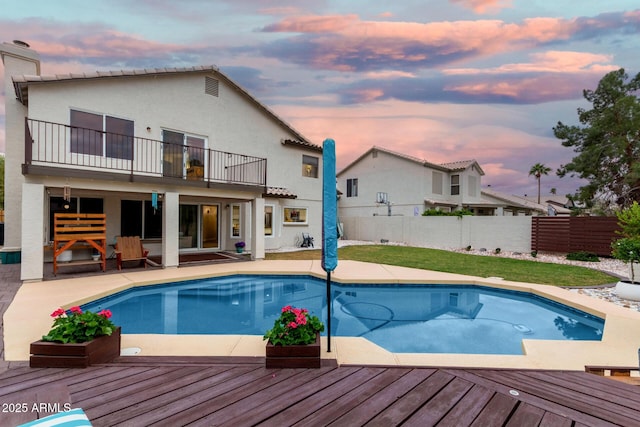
[538,170]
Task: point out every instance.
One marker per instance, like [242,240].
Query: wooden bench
[69,229]
[130,249]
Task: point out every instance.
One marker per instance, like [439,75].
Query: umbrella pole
[328,311]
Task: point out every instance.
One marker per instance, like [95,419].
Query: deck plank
[579,398]
[357,389]
[220,395]
[434,410]
[468,408]
[154,395]
[496,412]
[308,397]
[495,380]
[526,415]
[554,420]
[386,397]
[263,398]
[204,391]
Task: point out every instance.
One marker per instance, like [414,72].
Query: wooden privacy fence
[573,234]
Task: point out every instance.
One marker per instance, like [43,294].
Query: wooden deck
[137,391]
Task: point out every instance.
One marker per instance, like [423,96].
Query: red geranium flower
[58,312]
[105,313]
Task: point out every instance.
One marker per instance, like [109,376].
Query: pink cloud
[550,61]
[91,43]
[541,88]
[484,6]
[314,24]
[440,133]
[347,43]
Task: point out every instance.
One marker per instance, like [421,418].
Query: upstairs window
[352,187]
[455,185]
[436,182]
[310,166]
[101,135]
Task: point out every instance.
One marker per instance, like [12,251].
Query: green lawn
[453,262]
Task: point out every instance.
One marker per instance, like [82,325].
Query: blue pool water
[401,318]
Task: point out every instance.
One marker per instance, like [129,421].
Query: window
[352,187]
[473,185]
[310,166]
[235,221]
[99,135]
[140,218]
[295,215]
[436,182]
[75,205]
[455,185]
[268,220]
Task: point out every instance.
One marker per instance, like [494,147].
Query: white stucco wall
[509,233]
[15,113]
[229,122]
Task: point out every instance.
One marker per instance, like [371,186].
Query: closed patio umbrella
[329,221]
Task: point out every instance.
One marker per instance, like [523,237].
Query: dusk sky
[441,80]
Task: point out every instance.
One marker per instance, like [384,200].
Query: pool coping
[28,318]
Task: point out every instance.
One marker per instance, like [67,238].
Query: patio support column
[170,226]
[32,264]
[257,228]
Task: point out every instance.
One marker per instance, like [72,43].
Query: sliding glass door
[210,226]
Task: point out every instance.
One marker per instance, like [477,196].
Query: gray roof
[447,167]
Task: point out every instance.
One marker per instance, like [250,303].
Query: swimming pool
[403,318]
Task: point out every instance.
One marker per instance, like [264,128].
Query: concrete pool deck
[28,318]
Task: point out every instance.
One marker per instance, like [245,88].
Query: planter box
[77,355]
[294,356]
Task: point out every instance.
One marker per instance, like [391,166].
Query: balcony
[77,151]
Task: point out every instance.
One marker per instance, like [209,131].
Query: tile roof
[459,165]
[280,192]
[450,167]
[305,144]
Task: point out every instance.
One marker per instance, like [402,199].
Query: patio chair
[130,249]
[307,241]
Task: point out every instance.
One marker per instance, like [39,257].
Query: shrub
[534,253]
[583,256]
[497,251]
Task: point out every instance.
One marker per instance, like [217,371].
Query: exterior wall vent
[211,86]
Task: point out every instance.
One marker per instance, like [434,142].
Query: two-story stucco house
[182,157]
[383,182]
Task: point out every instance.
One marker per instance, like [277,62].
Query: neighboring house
[383,182]
[555,204]
[182,157]
[552,205]
[511,205]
